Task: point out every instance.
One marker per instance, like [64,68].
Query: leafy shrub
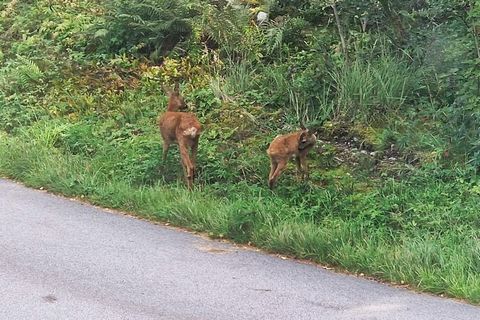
[149,28]
[15,112]
[137,160]
[79,139]
[203,100]
[20,74]
[228,29]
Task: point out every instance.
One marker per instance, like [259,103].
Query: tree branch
[340,30]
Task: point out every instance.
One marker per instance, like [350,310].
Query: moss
[369,135]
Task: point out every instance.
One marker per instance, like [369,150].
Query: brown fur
[284,147]
[182,128]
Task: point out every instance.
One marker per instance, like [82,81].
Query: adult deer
[284,147]
[182,128]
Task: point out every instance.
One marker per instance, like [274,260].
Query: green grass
[355,235]
[369,90]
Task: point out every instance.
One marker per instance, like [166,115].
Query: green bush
[79,139]
[149,28]
[16,112]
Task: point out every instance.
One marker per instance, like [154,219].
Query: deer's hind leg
[273,167]
[187,165]
[166,146]
[278,170]
[193,155]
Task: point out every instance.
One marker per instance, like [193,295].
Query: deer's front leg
[304,166]
[298,161]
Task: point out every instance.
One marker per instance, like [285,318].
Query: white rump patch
[190,132]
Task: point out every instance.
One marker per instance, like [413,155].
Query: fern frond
[27,72]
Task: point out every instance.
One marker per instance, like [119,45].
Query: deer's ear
[303,136]
[302,125]
[166,89]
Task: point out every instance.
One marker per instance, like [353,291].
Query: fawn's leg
[273,167]
[304,166]
[166,145]
[193,156]
[187,165]
[298,161]
[280,167]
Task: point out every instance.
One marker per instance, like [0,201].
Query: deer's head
[175,99]
[306,139]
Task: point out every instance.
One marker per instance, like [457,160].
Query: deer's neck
[172,107]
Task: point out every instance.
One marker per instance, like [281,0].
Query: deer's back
[179,124]
[284,145]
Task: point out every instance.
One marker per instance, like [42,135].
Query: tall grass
[369,90]
[235,78]
[308,113]
[299,104]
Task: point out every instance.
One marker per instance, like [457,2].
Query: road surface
[61,259]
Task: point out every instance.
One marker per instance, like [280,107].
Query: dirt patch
[214,250]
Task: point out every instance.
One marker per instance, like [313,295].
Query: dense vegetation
[392,86]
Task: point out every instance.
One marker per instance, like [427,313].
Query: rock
[262,17]
[235,4]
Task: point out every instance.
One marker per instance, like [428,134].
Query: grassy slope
[85,129]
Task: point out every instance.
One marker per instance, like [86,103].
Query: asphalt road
[61,259]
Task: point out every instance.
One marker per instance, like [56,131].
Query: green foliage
[21,74]
[79,139]
[372,89]
[27,73]
[15,112]
[227,28]
[149,27]
[204,101]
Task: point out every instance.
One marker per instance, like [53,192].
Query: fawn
[283,147]
[182,128]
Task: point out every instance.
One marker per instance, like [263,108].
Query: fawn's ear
[302,125]
[166,89]
[303,136]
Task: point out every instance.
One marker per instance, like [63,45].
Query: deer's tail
[191,132]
